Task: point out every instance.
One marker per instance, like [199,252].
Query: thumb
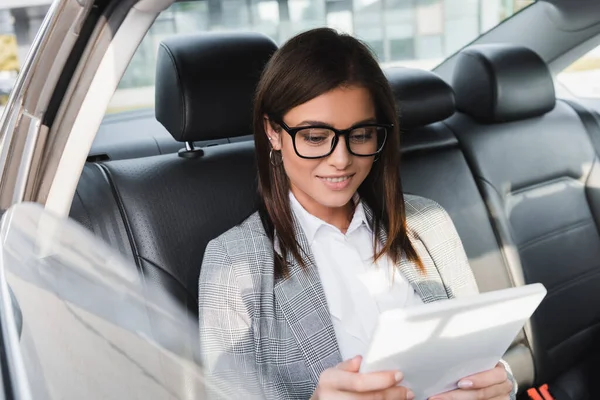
[351,365]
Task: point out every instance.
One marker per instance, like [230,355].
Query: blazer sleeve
[227,352]
[458,273]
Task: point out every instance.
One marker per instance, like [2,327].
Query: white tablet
[437,344]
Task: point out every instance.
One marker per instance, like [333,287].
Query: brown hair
[308,65]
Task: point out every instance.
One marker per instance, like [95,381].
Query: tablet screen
[437,344]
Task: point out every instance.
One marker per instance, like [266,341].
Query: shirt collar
[311,224]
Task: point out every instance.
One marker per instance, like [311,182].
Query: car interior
[515,166]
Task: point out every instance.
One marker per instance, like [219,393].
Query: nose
[340,158]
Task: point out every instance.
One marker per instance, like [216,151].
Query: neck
[339,217]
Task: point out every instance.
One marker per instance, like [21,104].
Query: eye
[363,134]
[315,136]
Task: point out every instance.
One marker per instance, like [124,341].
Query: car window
[582,78]
[90,328]
[414,33]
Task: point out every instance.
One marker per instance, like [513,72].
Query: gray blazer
[262,337]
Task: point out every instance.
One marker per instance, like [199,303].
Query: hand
[344,382]
[488,385]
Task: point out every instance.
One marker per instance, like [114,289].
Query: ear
[273,134]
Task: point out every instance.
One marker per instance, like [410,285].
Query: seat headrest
[205,83]
[422,97]
[502,83]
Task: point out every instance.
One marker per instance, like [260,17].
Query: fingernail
[398,376]
[465,384]
[410,395]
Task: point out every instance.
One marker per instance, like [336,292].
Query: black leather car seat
[535,165]
[434,166]
[162,211]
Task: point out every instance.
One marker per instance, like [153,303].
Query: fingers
[484,379]
[351,365]
[496,392]
[394,393]
[345,380]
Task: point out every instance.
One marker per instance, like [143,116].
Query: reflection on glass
[582,78]
[398,31]
[91,329]
[414,33]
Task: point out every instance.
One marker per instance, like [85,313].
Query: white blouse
[357,289]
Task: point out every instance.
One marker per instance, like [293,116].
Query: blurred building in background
[22,19]
[417,33]
[19,22]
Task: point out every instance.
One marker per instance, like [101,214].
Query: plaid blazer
[267,338]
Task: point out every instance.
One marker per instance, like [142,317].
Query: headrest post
[190,151]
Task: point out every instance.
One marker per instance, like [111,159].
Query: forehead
[341,108]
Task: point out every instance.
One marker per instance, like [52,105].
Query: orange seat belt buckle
[541,393]
[534,394]
[545,392]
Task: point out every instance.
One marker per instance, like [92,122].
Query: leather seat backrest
[434,166]
[163,210]
[539,174]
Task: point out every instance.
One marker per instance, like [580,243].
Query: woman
[289,297]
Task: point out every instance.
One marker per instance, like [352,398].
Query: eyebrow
[321,123]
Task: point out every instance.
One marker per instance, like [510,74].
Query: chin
[336,200]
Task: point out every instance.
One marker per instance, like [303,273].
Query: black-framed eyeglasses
[318,141]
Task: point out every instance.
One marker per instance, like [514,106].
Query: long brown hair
[308,65]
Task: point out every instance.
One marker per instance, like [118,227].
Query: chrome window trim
[61,181]
[21,122]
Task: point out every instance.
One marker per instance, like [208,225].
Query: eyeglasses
[318,141]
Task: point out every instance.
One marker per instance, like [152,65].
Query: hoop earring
[273,162]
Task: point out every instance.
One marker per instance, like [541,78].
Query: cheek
[364,165]
[297,169]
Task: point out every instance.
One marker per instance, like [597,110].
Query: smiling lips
[337,179]
[336,182]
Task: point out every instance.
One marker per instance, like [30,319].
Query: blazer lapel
[304,305]
[302,300]
[428,285]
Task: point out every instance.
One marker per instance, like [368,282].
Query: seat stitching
[84,207]
[587,194]
[549,235]
[501,242]
[552,292]
[570,282]
[179,80]
[553,347]
[169,273]
[512,267]
[106,173]
[543,184]
[489,67]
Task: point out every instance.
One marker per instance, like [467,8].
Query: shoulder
[423,213]
[240,252]
[429,222]
[237,238]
